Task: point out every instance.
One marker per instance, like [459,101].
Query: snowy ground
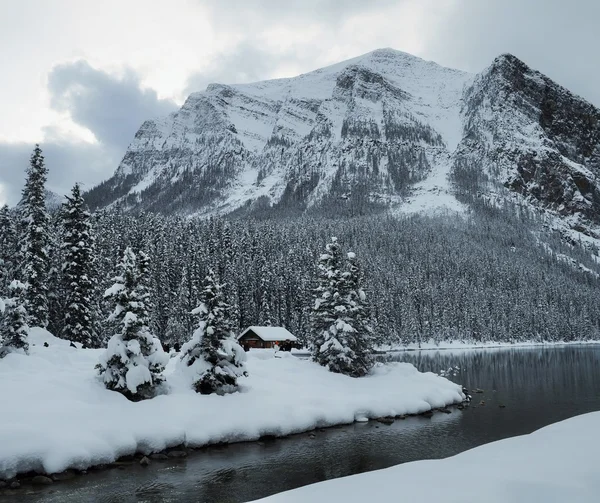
[559,463]
[56,414]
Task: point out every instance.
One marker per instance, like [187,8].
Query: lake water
[536,386]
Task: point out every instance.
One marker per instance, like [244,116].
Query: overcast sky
[80,76]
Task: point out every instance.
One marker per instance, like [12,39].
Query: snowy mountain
[53,200]
[384,130]
[523,131]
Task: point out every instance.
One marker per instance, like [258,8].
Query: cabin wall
[254,341]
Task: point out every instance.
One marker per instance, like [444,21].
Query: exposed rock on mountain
[537,139]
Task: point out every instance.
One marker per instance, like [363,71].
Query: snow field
[57,414]
[558,463]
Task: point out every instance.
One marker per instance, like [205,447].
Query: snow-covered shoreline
[61,416]
[446,345]
[558,463]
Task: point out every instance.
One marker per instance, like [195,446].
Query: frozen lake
[536,386]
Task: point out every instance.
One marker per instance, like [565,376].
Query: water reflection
[537,386]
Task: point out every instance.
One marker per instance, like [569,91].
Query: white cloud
[147,52]
[98,115]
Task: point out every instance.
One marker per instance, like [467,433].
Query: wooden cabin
[265,337]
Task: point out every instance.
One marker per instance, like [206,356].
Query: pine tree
[36,239]
[358,316]
[264,318]
[134,359]
[326,297]
[13,328]
[78,272]
[56,283]
[213,358]
[342,337]
[8,240]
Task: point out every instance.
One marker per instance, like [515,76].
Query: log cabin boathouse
[265,337]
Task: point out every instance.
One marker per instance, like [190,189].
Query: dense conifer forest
[492,274]
[487,276]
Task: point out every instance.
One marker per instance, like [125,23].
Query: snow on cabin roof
[271,334]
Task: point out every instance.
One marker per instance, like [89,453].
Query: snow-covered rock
[525,133]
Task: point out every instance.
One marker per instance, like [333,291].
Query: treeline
[488,276]
[61,290]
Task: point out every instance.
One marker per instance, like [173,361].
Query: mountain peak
[509,63]
[383,129]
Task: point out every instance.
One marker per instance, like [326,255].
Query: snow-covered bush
[13,326]
[212,359]
[341,334]
[134,359]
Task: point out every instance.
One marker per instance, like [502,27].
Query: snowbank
[558,463]
[56,413]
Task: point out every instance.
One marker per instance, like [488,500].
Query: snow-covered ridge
[385,129]
[387,116]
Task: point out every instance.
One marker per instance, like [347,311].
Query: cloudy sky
[80,76]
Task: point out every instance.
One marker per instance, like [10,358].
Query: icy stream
[535,386]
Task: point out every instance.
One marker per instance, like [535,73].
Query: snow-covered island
[62,416]
[106,390]
[558,463]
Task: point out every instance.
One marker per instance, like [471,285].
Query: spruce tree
[342,336]
[360,340]
[78,272]
[134,359]
[212,358]
[8,241]
[264,318]
[13,327]
[326,298]
[35,241]
[56,284]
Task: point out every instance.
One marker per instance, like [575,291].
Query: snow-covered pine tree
[212,358]
[265,317]
[134,359]
[13,328]
[342,337]
[35,241]
[78,272]
[56,283]
[326,297]
[181,321]
[358,316]
[8,240]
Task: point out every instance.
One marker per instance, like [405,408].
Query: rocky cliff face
[535,138]
[384,130]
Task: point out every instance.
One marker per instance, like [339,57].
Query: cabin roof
[271,334]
